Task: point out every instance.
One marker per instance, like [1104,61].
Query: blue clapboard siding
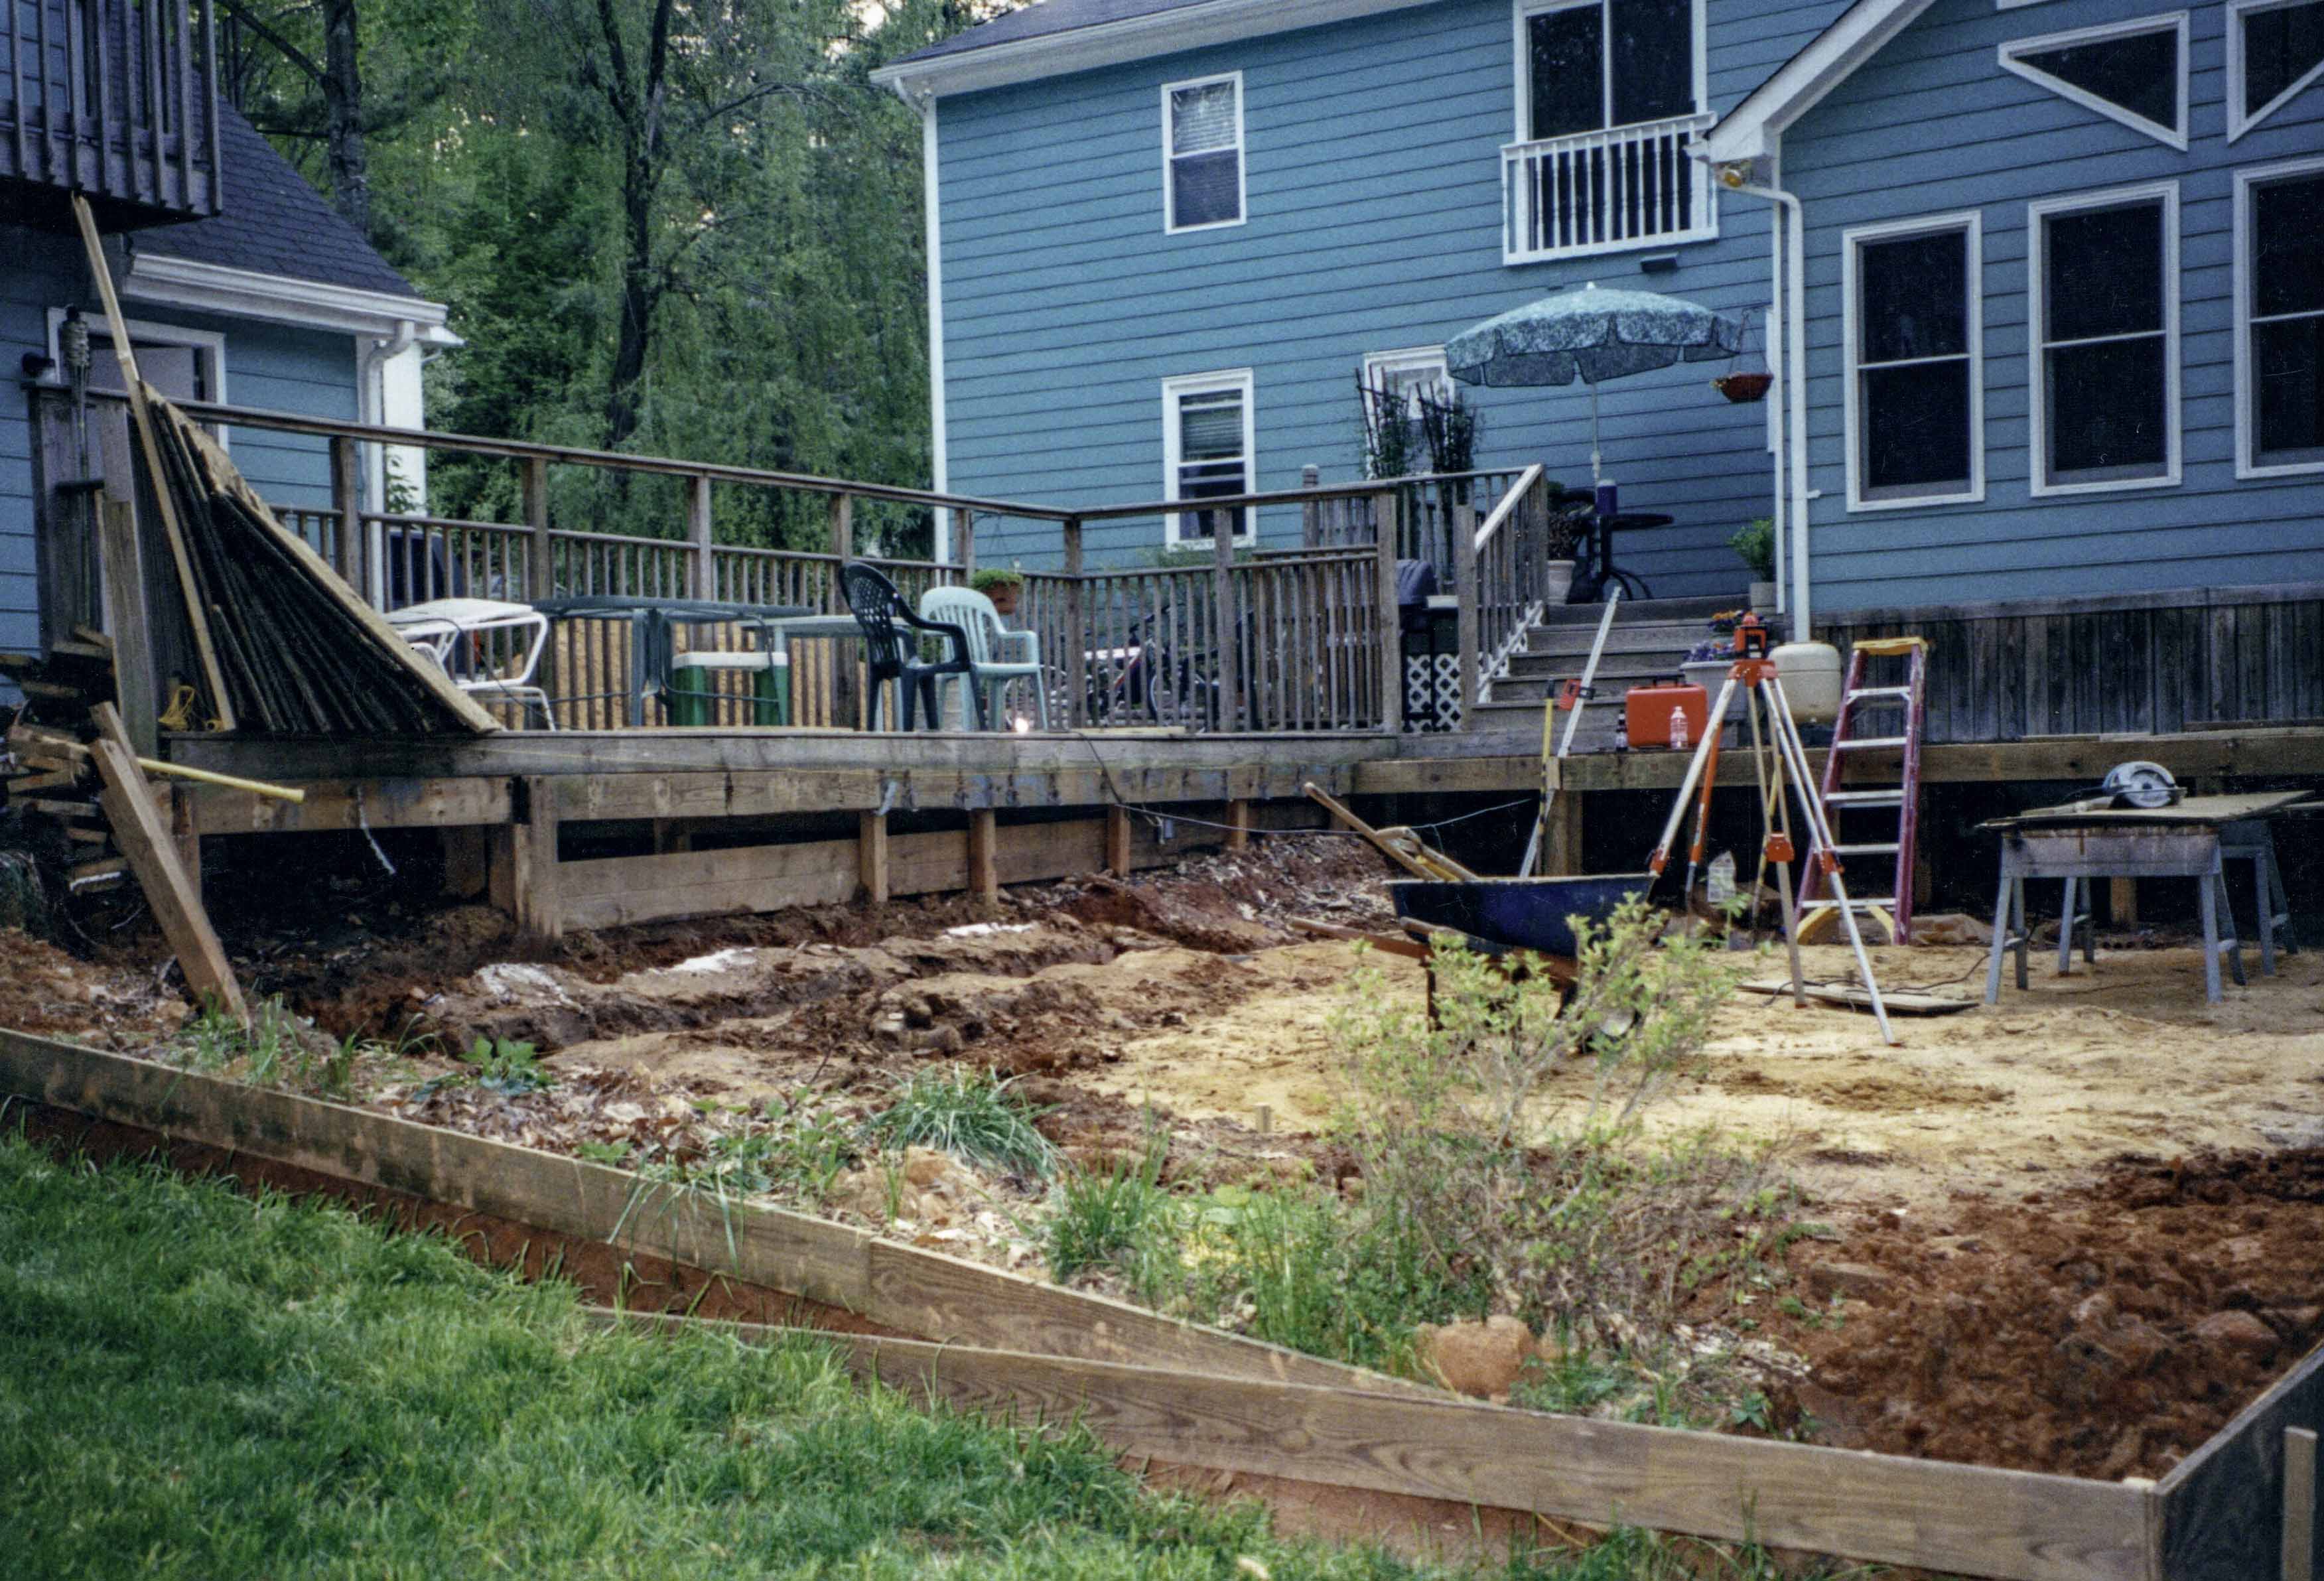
[1373,176]
[1932,126]
[267,366]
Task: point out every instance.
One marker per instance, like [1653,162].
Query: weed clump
[971,1115]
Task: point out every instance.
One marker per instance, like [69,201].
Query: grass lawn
[200,1384]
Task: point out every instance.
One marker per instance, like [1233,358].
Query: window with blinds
[1206,446]
[1202,141]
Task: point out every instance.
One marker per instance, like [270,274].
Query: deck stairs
[1649,640]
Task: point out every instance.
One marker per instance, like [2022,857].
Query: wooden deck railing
[115,99]
[1291,639]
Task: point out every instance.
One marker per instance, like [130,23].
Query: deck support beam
[871,868]
[983,874]
[1117,841]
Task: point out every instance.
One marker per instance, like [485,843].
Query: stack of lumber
[74,677]
[55,777]
[295,650]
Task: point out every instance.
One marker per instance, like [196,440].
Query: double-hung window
[2104,273]
[2280,319]
[2275,51]
[1608,94]
[1202,153]
[1207,444]
[1915,395]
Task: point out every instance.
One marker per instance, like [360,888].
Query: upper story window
[1202,153]
[2280,319]
[1915,397]
[2275,49]
[1207,445]
[1608,94]
[2104,272]
[2134,72]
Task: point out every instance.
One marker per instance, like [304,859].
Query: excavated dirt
[2074,1232]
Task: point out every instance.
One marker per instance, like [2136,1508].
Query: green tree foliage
[660,228]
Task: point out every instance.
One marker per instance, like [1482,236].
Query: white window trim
[1971,223]
[211,341]
[2036,312]
[1411,358]
[1520,10]
[1170,226]
[2247,464]
[1241,381]
[2237,122]
[2174,22]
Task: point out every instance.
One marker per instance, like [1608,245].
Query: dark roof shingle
[274,222]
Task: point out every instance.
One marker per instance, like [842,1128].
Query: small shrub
[510,1068]
[1754,543]
[969,1113]
[1117,1216]
[988,578]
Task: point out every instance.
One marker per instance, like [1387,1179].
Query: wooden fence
[1305,639]
[2155,663]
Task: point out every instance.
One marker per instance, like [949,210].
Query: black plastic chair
[891,645]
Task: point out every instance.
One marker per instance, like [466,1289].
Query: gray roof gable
[273,221]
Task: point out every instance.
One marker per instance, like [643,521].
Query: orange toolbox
[1646,713]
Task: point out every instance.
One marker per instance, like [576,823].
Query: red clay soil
[2106,1331]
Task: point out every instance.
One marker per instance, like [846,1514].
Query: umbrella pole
[1597,471]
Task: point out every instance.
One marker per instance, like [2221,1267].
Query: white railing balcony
[1603,191]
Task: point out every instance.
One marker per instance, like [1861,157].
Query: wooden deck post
[983,871]
[871,856]
[539,562]
[346,502]
[2122,902]
[1460,524]
[698,537]
[2298,1498]
[537,906]
[1076,632]
[843,525]
[1391,638]
[1311,520]
[1561,853]
[1228,623]
[1117,840]
[964,543]
[1238,822]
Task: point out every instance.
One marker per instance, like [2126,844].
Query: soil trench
[2074,1232]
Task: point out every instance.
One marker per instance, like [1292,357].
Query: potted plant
[1563,536]
[1000,584]
[1709,660]
[1755,543]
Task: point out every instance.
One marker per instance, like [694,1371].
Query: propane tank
[1810,675]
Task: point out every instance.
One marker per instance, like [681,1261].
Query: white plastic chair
[436,626]
[988,641]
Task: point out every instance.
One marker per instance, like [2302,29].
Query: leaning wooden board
[1175,1391]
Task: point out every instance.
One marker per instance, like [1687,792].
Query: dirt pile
[120,1007]
[2105,1331]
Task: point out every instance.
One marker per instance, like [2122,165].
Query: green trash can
[692,698]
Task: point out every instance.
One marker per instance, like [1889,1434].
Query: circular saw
[2142,784]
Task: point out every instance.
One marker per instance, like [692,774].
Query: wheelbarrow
[1517,913]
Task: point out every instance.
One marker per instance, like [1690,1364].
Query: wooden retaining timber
[2229,1508]
[1179,1392]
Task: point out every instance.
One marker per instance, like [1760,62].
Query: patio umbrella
[1593,336]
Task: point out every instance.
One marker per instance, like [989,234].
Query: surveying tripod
[1777,757]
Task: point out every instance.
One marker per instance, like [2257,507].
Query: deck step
[1634,611]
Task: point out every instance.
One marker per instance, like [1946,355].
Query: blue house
[240,283]
[1166,234]
[1166,237]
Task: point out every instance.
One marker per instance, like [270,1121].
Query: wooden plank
[346,804]
[983,875]
[1238,822]
[1878,1508]
[2299,1546]
[1117,841]
[536,875]
[153,853]
[2223,1506]
[133,684]
[871,856]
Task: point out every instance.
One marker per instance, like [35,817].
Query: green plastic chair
[997,656]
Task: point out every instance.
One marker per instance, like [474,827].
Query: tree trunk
[343,108]
[639,295]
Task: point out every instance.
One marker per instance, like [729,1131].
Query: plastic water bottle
[1678,728]
[1720,878]
[1621,733]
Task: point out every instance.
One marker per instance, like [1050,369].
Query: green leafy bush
[971,1115]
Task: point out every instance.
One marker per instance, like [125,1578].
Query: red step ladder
[1902,706]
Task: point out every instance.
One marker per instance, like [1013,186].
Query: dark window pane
[1913,295]
[2106,410]
[1916,428]
[2289,357]
[2104,272]
[2140,73]
[2288,246]
[1652,59]
[1567,62]
[2280,48]
[1207,188]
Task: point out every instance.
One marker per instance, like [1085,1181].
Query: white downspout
[1791,378]
[940,466]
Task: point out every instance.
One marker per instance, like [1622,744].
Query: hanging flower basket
[1743,387]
